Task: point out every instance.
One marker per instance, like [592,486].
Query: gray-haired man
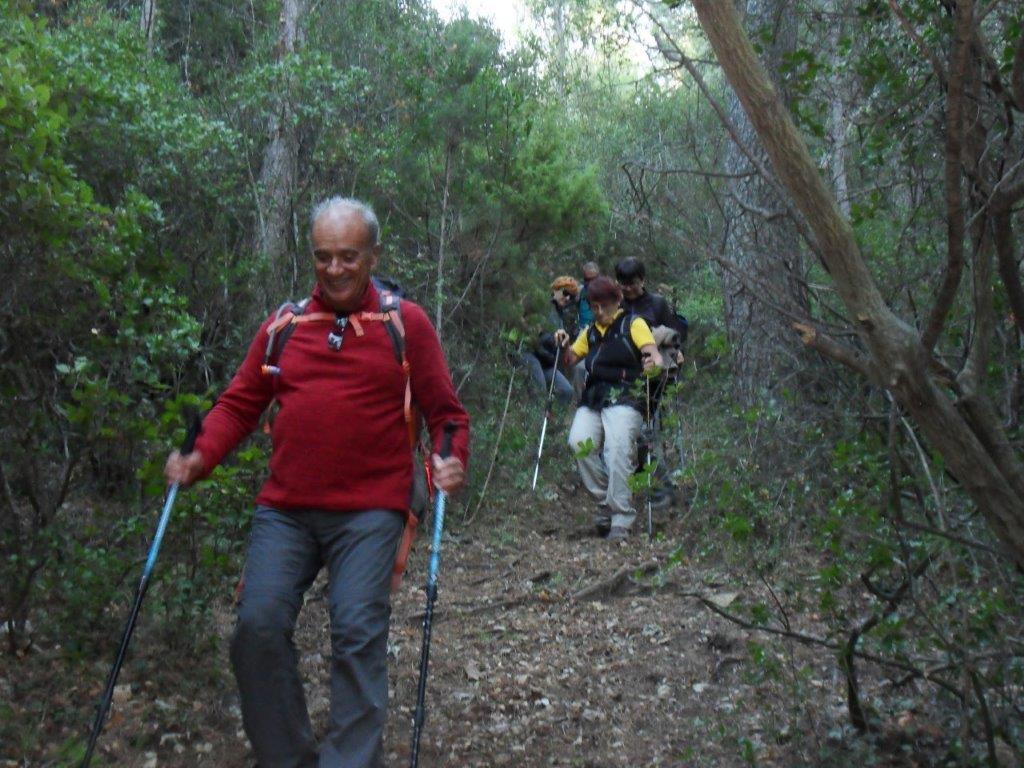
[337,494]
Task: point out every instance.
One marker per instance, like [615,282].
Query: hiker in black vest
[540,360]
[665,325]
[618,350]
[652,307]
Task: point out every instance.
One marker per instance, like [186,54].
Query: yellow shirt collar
[602,328]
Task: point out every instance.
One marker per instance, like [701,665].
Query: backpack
[389,312]
[383,284]
[683,326]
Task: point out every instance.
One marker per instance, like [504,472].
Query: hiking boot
[602,525]
[617,533]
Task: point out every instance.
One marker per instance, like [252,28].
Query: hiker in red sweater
[339,488]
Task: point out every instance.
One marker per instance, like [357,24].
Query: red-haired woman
[618,350]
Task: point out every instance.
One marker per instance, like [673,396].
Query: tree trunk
[279,172]
[147,22]
[757,243]
[966,433]
[838,119]
[442,237]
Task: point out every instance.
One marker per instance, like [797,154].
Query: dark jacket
[545,349]
[653,308]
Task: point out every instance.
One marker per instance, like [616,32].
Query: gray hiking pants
[541,376]
[286,552]
[607,468]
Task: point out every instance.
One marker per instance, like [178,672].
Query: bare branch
[832,349]
[766,215]
[689,171]
[975,370]
[930,54]
[1008,196]
[476,270]
[674,53]
[613,583]
[962,540]
[800,637]
[846,658]
[764,291]
[12,506]
[923,458]
[497,442]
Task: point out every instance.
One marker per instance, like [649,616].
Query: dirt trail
[548,650]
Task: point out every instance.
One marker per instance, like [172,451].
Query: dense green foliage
[129,288]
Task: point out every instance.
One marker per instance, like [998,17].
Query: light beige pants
[607,467]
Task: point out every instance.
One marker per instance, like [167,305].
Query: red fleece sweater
[340,440]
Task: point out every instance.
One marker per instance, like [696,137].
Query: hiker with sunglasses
[618,351]
[540,360]
[346,367]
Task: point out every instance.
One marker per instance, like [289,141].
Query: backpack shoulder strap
[390,313]
[391,309]
[626,330]
[279,331]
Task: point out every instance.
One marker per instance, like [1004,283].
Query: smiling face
[632,289]
[344,255]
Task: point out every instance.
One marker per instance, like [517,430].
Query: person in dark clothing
[540,360]
[652,307]
[655,309]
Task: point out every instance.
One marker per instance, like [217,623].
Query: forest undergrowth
[722,641]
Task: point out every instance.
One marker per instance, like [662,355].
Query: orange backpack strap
[315,317]
[404,547]
[391,315]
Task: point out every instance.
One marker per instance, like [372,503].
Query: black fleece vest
[613,364]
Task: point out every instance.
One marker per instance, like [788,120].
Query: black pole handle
[446,441]
[195,426]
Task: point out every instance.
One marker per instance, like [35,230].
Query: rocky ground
[551,647]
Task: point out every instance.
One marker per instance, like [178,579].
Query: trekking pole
[547,414]
[104,705]
[650,474]
[428,616]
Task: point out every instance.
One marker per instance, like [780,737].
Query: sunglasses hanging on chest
[336,336]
